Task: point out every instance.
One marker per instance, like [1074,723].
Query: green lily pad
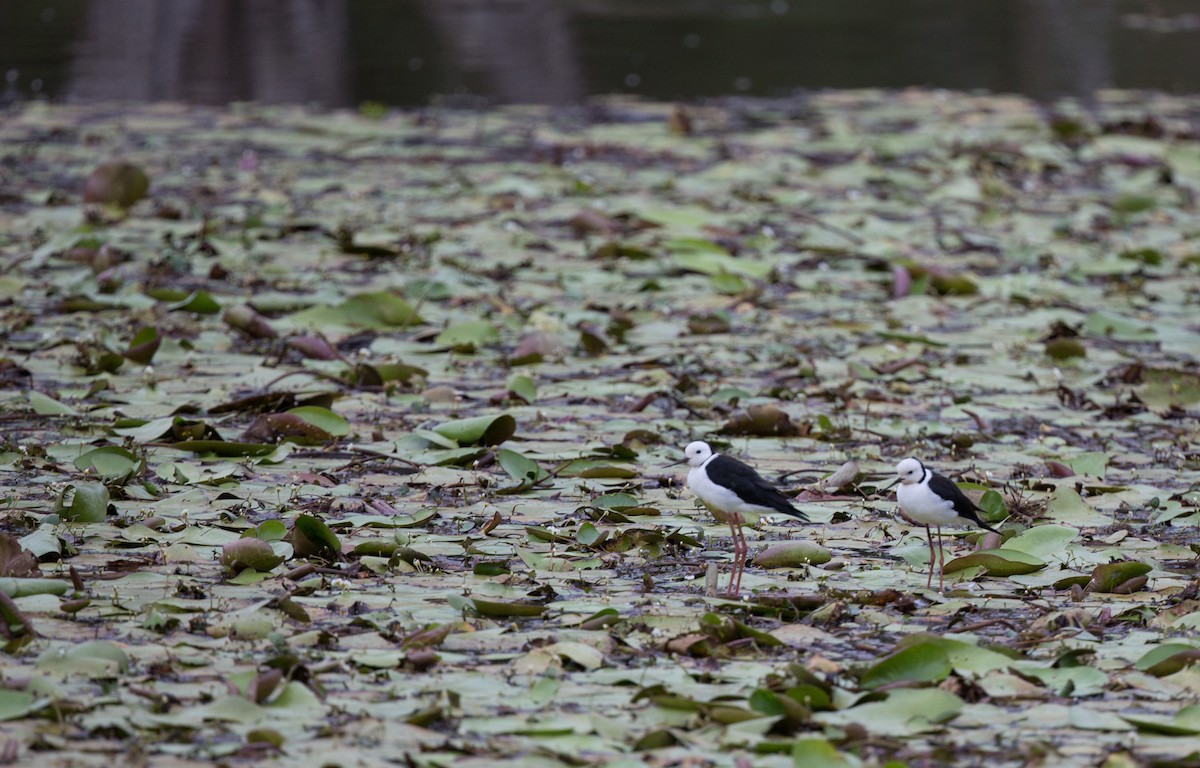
[322,418]
[110,462]
[311,536]
[89,503]
[479,430]
[497,608]
[44,405]
[790,554]
[1109,576]
[923,662]
[1167,659]
[468,336]
[997,562]
[379,310]
[249,553]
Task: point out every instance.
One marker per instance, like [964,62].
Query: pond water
[411,52]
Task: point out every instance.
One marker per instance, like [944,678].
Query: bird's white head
[910,471]
[697,453]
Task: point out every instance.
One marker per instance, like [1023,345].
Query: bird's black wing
[749,485]
[945,487]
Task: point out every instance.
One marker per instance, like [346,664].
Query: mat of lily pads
[344,440]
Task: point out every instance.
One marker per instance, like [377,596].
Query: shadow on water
[406,52]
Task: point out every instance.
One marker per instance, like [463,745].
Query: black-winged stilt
[930,499]
[730,489]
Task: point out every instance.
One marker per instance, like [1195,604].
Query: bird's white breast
[716,497]
[926,507]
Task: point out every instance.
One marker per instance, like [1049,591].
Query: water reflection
[344,52]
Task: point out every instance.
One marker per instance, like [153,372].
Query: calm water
[410,52]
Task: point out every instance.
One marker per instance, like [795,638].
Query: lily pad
[922,662]
[790,554]
[479,430]
[1110,576]
[997,562]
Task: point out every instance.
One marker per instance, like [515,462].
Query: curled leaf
[1110,576]
[249,553]
[790,554]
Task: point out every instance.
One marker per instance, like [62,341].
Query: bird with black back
[731,489]
[929,499]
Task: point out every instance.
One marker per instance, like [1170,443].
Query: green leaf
[524,470]
[143,345]
[89,504]
[966,658]
[1186,722]
[323,419]
[616,501]
[792,554]
[111,462]
[311,536]
[709,263]
[199,302]
[997,562]
[924,662]
[905,712]
[993,506]
[1047,542]
[496,608]
[23,587]
[1092,463]
[15,705]
[468,336]
[1167,659]
[1109,576]
[815,751]
[589,534]
[365,310]
[1165,388]
[520,385]
[249,553]
[479,430]
[47,406]
[224,448]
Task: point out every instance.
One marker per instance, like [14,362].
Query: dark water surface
[409,52]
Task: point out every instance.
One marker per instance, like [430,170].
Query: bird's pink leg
[932,558]
[941,563]
[739,558]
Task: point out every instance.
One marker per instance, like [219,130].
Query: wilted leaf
[762,420]
[116,182]
[15,560]
[244,318]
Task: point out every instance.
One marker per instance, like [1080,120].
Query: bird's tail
[790,510]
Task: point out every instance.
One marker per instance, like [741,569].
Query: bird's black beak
[676,463]
[889,486]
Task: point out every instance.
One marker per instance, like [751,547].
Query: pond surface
[411,52]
